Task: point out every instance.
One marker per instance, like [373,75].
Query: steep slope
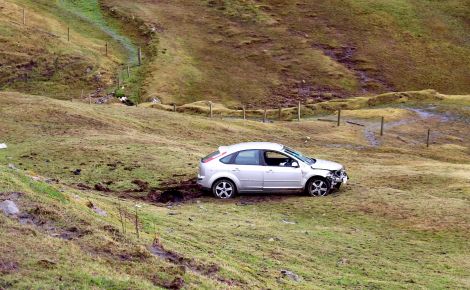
[277,52]
[402,222]
[37,57]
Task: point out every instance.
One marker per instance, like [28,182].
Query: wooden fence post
[298,112]
[121,217]
[339,117]
[280,113]
[264,116]
[106,49]
[68,34]
[174,107]
[427,138]
[24,16]
[128,72]
[210,109]
[137,222]
[244,112]
[89,99]
[139,55]
[382,127]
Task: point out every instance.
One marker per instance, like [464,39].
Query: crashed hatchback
[267,167]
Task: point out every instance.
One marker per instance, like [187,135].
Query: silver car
[267,167]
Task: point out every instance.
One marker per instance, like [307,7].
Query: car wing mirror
[295,164]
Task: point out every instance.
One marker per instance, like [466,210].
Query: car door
[247,167]
[279,173]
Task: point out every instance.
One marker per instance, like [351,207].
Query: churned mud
[208,270]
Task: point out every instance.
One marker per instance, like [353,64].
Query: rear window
[210,156]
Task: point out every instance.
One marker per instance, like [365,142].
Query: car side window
[247,157]
[274,158]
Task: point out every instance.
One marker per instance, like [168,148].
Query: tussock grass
[406,205]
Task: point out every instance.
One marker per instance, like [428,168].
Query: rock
[99,211]
[291,275]
[9,208]
[288,222]
[3,146]
[12,166]
[77,171]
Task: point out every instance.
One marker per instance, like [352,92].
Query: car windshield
[299,155]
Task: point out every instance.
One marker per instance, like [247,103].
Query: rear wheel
[318,187]
[224,188]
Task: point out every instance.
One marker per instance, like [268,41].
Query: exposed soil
[8,266]
[175,191]
[208,270]
[370,80]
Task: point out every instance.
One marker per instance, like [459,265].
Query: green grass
[402,222]
[258,53]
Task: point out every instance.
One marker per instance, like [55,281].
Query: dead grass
[401,196]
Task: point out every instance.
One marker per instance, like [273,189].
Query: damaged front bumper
[337,178]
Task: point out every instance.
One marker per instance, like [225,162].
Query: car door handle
[236,170]
[269,171]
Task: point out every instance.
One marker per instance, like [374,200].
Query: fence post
[137,222]
[139,55]
[81,95]
[339,116]
[382,127]
[264,116]
[128,72]
[427,139]
[106,49]
[210,109]
[298,112]
[24,16]
[244,112]
[174,107]
[68,34]
[280,113]
[89,99]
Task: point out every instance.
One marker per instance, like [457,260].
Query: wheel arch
[316,176]
[224,177]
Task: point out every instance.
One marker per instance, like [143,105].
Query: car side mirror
[295,164]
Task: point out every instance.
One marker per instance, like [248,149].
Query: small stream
[370,132]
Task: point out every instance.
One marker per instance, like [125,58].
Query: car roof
[251,145]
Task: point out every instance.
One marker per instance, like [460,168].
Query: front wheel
[223,189]
[318,187]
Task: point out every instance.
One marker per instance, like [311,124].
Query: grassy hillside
[277,52]
[36,57]
[402,222]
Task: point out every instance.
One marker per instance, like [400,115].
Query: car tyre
[317,186]
[224,189]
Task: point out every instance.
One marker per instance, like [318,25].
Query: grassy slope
[37,58]
[402,222]
[258,52]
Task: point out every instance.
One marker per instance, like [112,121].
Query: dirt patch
[102,187]
[143,185]
[175,191]
[208,270]
[370,80]
[44,220]
[8,267]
